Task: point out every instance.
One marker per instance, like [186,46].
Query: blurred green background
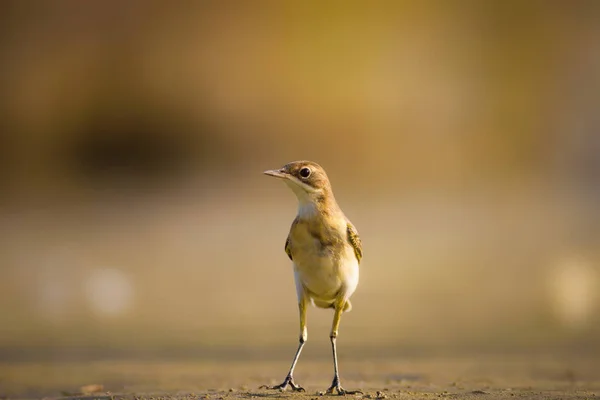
[462,139]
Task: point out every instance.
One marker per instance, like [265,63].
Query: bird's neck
[317,205]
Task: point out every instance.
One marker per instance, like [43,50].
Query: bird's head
[307,180]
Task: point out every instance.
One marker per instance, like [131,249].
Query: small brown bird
[325,250]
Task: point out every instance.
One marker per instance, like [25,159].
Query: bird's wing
[354,240]
[288,249]
[288,242]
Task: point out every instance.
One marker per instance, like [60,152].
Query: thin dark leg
[335,385]
[289,379]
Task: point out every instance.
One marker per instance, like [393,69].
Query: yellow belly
[325,264]
[319,276]
[327,278]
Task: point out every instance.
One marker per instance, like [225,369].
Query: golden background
[461,138]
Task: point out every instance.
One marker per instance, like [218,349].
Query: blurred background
[461,138]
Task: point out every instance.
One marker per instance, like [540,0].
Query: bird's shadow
[286,393]
[273,394]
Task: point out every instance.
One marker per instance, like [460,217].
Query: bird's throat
[307,208]
[314,203]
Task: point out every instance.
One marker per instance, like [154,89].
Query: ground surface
[452,377]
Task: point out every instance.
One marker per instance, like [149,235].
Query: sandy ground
[465,377]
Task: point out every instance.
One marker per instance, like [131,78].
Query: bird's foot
[289,380]
[336,387]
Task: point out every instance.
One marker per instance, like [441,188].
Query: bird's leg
[335,385]
[289,379]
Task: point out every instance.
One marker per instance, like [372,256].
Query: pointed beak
[277,173]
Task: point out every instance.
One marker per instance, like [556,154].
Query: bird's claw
[289,380]
[336,387]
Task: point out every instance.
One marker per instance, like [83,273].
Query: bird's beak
[277,173]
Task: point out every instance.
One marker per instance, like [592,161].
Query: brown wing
[288,249]
[288,242]
[354,240]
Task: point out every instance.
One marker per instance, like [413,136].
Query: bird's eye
[305,172]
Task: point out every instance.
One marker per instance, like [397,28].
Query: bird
[325,250]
